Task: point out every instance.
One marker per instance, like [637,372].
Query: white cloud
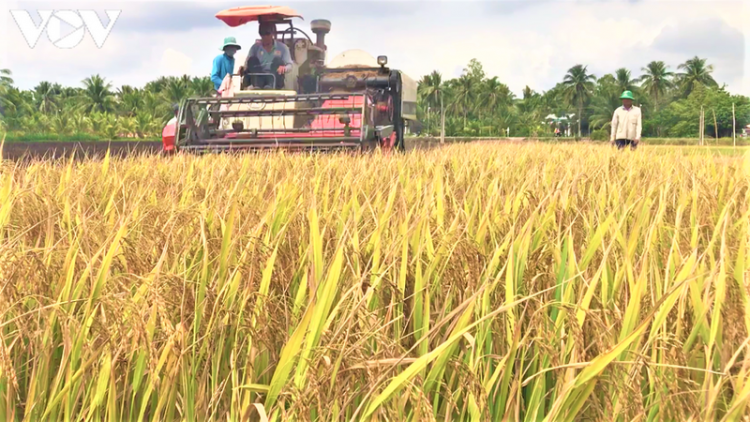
[175,63]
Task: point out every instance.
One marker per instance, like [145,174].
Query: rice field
[705,150]
[470,283]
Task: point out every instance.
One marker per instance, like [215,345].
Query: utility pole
[428,119]
[716,127]
[700,128]
[442,120]
[734,130]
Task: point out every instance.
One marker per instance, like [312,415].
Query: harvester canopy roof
[237,16]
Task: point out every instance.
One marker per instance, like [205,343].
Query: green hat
[627,95]
[230,41]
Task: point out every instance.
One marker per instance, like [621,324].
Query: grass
[477,282]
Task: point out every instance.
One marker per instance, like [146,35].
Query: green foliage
[599,135]
[695,73]
[474,104]
[94,111]
[656,80]
[681,118]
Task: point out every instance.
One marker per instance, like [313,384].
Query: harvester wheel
[398,143]
[389,143]
[395,142]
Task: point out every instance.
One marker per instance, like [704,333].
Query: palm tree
[111,126]
[143,124]
[61,123]
[98,121]
[623,80]
[39,123]
[5,78]
[464,91]
[431,91]
[527,92]
[495,97]
[603,105]
[528,123]
[157,85]
[696,71]
[152,103]
[202,87]
[46,95]
[578,87]
[176,90]
[531,101]
[432,85]
[127,125]
[494,94]
[97,95]
[5,83]
[131,100]
[79,122]
[656,80]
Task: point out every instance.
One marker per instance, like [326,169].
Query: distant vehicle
[354,102]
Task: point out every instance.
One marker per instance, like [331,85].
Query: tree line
[477,105]
[95,109]
[473,104]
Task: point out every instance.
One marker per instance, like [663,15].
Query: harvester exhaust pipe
[320,27]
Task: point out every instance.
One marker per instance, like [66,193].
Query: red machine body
[167,135]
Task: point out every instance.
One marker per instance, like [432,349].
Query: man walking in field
[626,123]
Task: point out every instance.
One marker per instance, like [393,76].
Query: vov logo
[65,28]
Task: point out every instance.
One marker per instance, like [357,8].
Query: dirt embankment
[18,151]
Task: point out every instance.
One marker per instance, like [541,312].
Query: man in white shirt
[269,56]
[626,123]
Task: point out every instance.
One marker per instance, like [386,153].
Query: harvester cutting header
[353,102]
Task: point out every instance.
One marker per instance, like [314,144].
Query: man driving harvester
[267,56]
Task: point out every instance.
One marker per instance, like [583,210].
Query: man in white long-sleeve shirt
[626,123]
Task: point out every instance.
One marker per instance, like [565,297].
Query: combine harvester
[354,102]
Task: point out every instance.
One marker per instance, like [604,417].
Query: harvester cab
[354,102]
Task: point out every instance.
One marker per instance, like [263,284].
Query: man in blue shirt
[224,63]
[267,56]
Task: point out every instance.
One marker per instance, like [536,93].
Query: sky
[530,42]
